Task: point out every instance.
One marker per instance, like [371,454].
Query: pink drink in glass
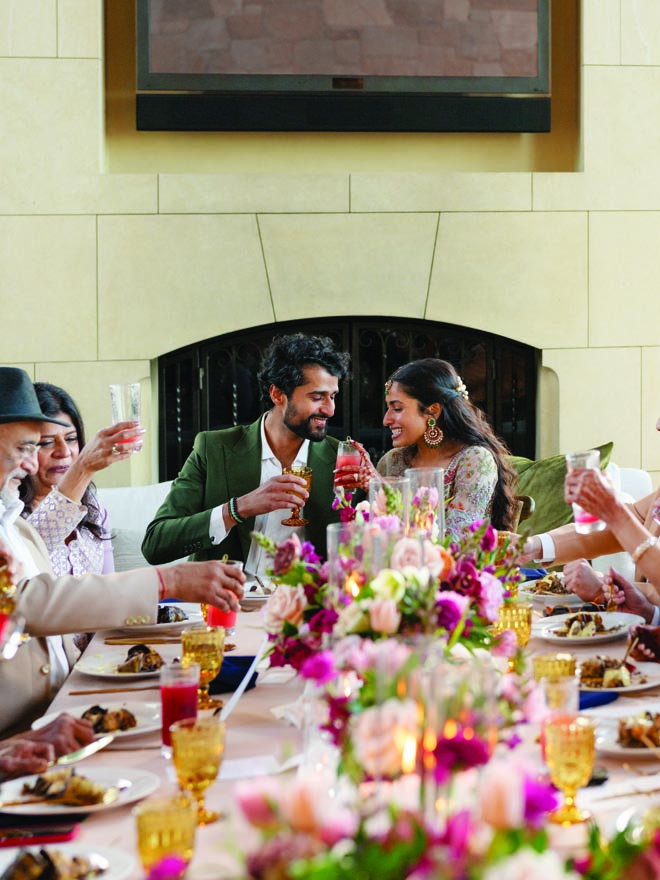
[178,695]
[347,455]
[216,617]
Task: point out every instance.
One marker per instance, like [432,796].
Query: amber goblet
[570,751]
[204,645]
[306,473]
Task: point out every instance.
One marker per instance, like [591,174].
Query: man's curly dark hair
[287,356]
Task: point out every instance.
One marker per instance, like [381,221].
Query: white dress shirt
[270,524]
[9,513]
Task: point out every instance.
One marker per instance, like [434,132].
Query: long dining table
[262,739]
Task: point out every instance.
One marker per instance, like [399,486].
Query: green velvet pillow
[544,481]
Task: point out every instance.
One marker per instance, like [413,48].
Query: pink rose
[308,808]
[380,734]
[384,616]
[407,552]
[286,603]
[258,800]
[438,560]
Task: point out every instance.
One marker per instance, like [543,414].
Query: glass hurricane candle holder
[427,501]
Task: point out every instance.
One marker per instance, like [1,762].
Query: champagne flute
[516,616]
[197,748]
[204,645]
[570,751]
[306,473]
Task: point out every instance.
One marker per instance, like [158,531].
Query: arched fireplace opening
[213,384]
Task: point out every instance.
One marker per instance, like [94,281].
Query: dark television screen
[428,65]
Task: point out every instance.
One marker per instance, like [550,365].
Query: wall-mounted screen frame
[211,90]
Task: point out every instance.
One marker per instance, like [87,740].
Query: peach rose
[384,616]
[438,560]
[501,796]
[286,603]
[380,733]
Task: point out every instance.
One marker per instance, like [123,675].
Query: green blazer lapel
[244,474]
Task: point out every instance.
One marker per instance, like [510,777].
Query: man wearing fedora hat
[64,605]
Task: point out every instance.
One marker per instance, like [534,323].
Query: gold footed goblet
[204,645]
[197,748]
[516,616]
[306,473]
[570,750]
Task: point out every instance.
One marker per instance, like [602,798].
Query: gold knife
[122,690]
[95,746]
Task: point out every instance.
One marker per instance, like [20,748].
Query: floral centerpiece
[453,592]
[307,833]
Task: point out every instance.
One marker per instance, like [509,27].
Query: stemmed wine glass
[306,473]
[204,645]
[197,748]
[516,616]
[570,750]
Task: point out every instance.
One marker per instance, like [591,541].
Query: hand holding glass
[585,523]
[204,645]
[197,748]
[348,455]
[306,473]
[215,616]
[127,407]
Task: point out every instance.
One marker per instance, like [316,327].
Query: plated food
[609,673]
[550,585]
[128,784]
[141,658]
[109,720]
[54,864]
[171,614]
[146,716]
[586,627]
[65,786]
[640,731]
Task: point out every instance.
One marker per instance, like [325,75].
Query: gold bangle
[641,549]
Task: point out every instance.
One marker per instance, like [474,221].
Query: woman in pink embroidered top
[60,500]
[434,424]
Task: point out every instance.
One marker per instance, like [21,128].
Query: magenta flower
[456,835]
[464,578]
[308,553]
[324,621]
[450,608]
[319,667]
[459,753]
[489,540]
[540,799]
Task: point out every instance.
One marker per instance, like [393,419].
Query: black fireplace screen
[213,384]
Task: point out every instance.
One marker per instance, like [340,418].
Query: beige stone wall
[118,246]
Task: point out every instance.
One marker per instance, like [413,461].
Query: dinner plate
[120,863]
[146,714]
[653,682]
[143,631]
[607,734]
[133,784]
[542,600]
[250,601]
[100,667]
[616,622]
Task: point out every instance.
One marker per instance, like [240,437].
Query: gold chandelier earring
[433,436]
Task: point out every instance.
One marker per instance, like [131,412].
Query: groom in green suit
[232,482]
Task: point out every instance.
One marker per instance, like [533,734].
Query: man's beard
[9,493]
[304,429]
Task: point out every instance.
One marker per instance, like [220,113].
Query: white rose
[352,619]
[388,584]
